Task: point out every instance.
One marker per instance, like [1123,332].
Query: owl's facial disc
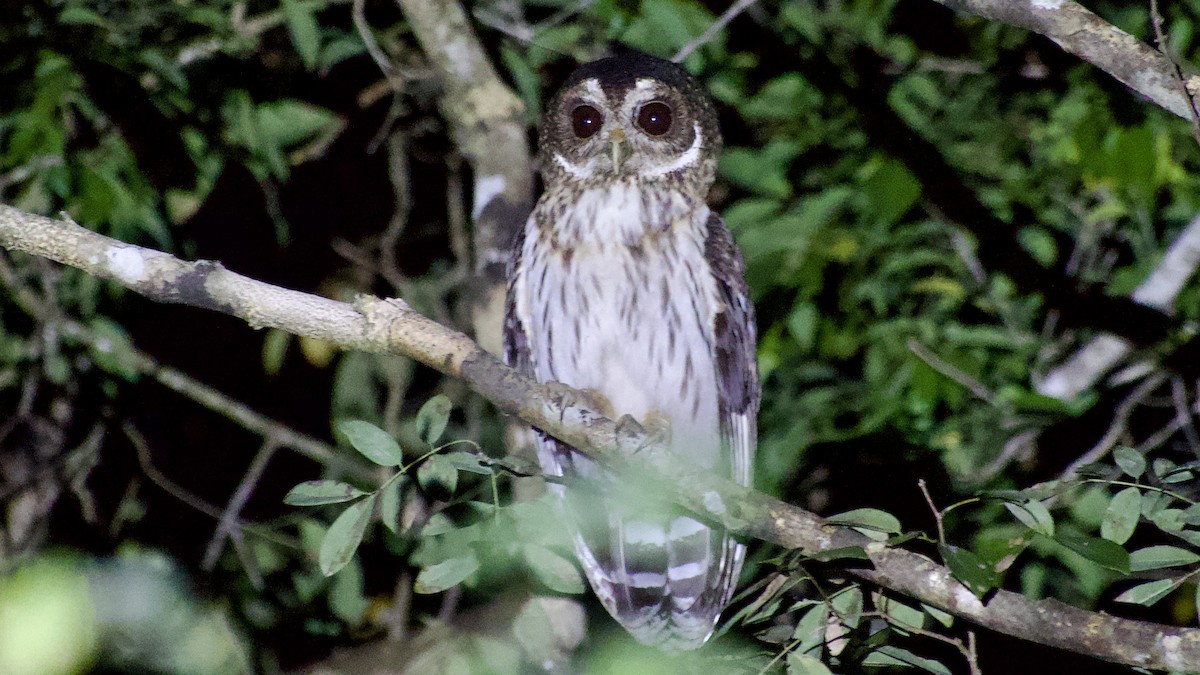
[643,131]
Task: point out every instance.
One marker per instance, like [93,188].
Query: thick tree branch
[488,124]
[1080,32]
[390,326]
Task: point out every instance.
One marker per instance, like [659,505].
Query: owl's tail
[664,579]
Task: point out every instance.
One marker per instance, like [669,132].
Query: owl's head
[631,116]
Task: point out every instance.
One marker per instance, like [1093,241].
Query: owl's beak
[620,149]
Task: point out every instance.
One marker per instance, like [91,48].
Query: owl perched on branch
[626,286]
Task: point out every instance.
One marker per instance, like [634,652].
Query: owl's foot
[565,396]
[655,431]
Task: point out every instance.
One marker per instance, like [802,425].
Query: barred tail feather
[666,581]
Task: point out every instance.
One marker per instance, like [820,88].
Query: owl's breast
[629,316]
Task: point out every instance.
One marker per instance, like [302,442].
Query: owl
[624,285]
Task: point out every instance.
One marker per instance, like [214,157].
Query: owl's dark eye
[586,120]
[655,118]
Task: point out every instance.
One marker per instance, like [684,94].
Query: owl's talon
[628,426]
[655,431]
[565,396]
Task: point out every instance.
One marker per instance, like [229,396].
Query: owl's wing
[516,342]
[735,339]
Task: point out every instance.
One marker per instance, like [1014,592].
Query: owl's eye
[655,118]
[586,120]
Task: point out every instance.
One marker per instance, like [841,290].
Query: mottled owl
[624,285]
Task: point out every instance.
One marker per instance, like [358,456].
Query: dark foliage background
[936,211]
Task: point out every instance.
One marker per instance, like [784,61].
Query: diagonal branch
[1102,353]
[1082,33]
[376,325]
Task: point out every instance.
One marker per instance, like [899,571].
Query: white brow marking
[592,86]
[688,158]
[643,84]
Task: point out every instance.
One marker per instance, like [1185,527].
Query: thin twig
[937,515]
[1018,447]
[1160,41]
[966,649]
[722,21]
[229,523]
[945,368]
[1117,428]
[972,654]
[358,15]
[35,164]
[520,30]
[142,448]
[1183,413]
[398,176]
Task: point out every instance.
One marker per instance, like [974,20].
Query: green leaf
[1132,462]
[1039,243]
[889,655]
[275,344]
[891,190]
[468,461]
[848,605]
[344,536]
[432,418]
[389,505]
[346,597]
[1168,520]
[1034,515]
[780,98]
[900,614]
[372,442]
[810,629]
[762,169]
[970,569]
[1100,551]
[1190,536]
[288,122]
[446,574]
[317,492]
[534,631]
[1154,501]
[312,533]
[803,664]
[1191,515]
[112,349]
[1170,472]
[81,16]
[1122,515]
[1148,593]
[941,616]
[302,25]
[556,572]
[1158,557]
[438,476]
[872,520]
[843,553]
